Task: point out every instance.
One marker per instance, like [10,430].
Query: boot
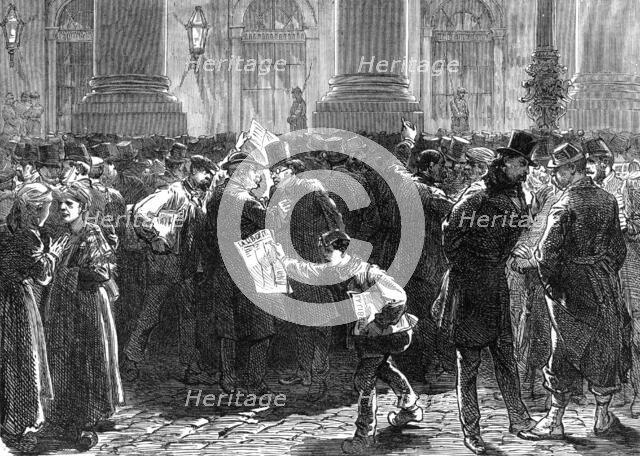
[409,412]
[550,427]
[228,378]
[366,424]
[606,422]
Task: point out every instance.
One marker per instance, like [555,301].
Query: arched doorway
[274,29]
[274,56]
[464,41]
[70,59]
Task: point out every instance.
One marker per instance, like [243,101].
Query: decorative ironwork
[547,92]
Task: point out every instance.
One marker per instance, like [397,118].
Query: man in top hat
[171,222]
[49,164]
[238,321]
[76,163]
[454,181]
[313,215]
[480,236]
[578,259]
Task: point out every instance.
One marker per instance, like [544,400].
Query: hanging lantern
[12,27]
[197,31]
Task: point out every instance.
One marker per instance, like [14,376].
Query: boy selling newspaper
[382,330]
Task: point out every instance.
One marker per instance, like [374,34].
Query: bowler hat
[521,143]
[596,147]
[237,158]
[564,154]
[332,236]
[178,153]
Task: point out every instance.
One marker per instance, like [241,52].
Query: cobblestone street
[156,422]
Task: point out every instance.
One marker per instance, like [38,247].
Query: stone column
[370,90]
[499,87]
[49,97]
[606,86]
[425,78]
[235,81]
[130,90]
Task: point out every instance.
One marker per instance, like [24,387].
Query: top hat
[49,155]
[77,152]
[426,142]
[237,158]
[596,147]
[564,154]
[278,152]
[480,155]
[521,143]
[178,153]
[456,150]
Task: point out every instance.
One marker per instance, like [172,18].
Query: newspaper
[365,309]
[269,276]
[259,137]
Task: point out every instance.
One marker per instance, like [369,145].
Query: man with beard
[239,322]
[479,237]
[578,258]
[454,181]
[305,221]
[171,222]
[424,285]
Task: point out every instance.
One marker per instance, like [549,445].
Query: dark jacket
[579,257]
[476,295]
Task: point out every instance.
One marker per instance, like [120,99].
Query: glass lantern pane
[12,31]
[197,37]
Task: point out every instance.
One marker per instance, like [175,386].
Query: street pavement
[156,421]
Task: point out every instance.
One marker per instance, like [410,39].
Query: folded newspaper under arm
[268,274]
[365,307]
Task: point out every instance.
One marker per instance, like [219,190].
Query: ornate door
[273,53]
[462,34]
[74,66]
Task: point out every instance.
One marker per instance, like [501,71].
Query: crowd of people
[530,253]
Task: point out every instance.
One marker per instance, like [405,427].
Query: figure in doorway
[298,114]
[459,112]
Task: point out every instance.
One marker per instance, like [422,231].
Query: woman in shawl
[25,383]
[79,328]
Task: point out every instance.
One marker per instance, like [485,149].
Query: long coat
[237,318]
[24,371]
[312,216]
[80,333]
[579,257]
[476,294]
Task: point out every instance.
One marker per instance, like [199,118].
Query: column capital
[499,33]
[427,31]
[51,33]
